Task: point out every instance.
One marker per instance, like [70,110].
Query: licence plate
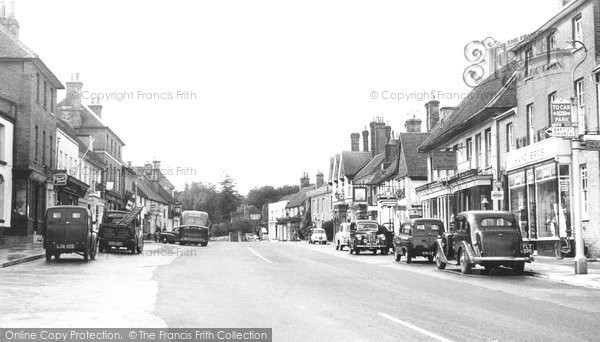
[426,253]
[115,243]
[65,245]
[370,244]
[527,248]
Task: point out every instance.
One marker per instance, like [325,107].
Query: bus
[194,228]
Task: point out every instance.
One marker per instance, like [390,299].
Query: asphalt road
[304,292]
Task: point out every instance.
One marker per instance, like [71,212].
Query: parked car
[417,238]
[317,235]
[388,230]
[121,229]
[69,229]
[342,236]
[365,235]
[189,234]
[487,238]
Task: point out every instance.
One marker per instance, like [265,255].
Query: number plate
[370,244]
[65,245]
[527,248]
[115,243]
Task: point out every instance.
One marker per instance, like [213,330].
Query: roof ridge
[18,42]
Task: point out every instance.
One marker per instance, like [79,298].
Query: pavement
[303,292]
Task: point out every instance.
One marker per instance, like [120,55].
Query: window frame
[510,138]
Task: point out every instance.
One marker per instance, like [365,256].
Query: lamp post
[484,203]
[580,259]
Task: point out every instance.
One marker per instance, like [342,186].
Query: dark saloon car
[69,229]
[186,235]
[485,237]
[417,238]
[121,229]
[365,235]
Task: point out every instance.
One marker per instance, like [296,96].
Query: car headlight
[382,237]
[360,237]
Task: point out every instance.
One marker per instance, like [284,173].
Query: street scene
[264,171]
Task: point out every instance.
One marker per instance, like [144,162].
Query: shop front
[539,191]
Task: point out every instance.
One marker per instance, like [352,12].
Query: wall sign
[443,160]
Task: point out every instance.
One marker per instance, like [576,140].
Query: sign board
[567,132]
[60,179]
[565,185]
[497,195]
[591,145]
[498,184]
[444,160]
[561,113]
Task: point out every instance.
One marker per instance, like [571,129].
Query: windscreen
[490,223]
[367,226]
[67,216]
[195,218]
[113,217]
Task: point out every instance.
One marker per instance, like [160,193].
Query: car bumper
[116,242]
[500,260]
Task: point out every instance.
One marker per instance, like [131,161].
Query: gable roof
[145,189]
[411,163]
[352,162]
[371,171]
[495,95]
[296,200]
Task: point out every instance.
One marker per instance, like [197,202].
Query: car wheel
[181,243]
[384,251]
[439,261]
[465,266]
[519,268]
[48,255]
[430,258]
[374,251]
[337,246]
[203,244]
[397,256]
[93,252]
[57,256]
[408,257]
[163,240]
[341,246]
[86,254]
[141,248]
[487,269]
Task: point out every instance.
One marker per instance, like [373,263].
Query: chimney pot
[433,114]
[413,125]
[355,142]
[365,135]
[9,9]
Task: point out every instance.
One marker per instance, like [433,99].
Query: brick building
[28,88]
[538,167]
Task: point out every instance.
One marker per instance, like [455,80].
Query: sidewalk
[563,271]
[17,249]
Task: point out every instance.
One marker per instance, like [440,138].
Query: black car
[121,229]
[186,235]
[417,238]
[366,235]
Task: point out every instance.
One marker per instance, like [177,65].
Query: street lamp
[484,203]
[580,259]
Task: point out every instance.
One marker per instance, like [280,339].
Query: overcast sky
[279,85]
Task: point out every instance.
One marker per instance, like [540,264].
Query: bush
[244,226]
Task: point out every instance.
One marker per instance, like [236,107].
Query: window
[478,150]
[37,88]
[51,152]
[577,28]
[510,141]
[551,98]
[44,147]
[580,97]
[528,62]
[52,100]
[469,149]
[36,143]
[550,48]
[530,125]
[488,147]
[2,142]
[45,95]
[585,215]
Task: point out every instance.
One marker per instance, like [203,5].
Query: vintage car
[365,235]
[485,237]
[417,238]
[317,235]
[388,230]
[186,235]
[121,229]
[69,229]
[342,236]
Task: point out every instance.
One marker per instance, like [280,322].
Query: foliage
[244,226]
[268,194]
[229,198]
[218,203]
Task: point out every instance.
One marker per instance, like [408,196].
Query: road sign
[497,195]
[591,145]
[60,179]
[562,132]
[561,113]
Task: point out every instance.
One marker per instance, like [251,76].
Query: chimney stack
[74,89]
[319,179]
[365,135]
[355,142]
[96,108]
[413,125]
[433,114]
[388,133]
[304,181]
[7,17]
[378,137]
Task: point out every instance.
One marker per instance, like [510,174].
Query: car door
[462,232]
[401,240]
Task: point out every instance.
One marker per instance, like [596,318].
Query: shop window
[585,215]
[548,210]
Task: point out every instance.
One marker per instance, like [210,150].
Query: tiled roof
[412,163]
[163,193]
[12,47]
[495,95]
[145,188]
[296,200]
[352,162]
[370,168]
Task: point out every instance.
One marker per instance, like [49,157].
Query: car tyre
[356,250]
[140,248]
[203,244]
[408,257]
[94,252]
[163,240]
[438,260]
[430,258]
[181,243]
[337,246]
[48,255]
[86,254]
[519,268]
[465,266]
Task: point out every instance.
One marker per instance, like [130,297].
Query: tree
[200,196]
[229,198]
[268,194]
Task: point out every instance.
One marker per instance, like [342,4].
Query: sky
[262,90]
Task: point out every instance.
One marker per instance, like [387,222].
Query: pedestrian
[156,234]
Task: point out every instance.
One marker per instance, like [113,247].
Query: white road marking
[414,327]
[260,256]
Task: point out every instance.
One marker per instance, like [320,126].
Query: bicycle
[562,247]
